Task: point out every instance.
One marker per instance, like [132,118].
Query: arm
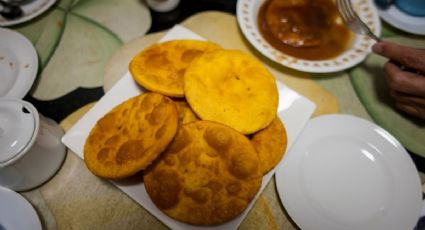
[407,88]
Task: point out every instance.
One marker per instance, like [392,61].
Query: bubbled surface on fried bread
[207,176]
[160,68]
[232,88]
[131,136]
[186,113]
[270,144]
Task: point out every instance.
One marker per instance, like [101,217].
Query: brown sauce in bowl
[307,29]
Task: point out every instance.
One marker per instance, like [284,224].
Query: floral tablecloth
[84,47]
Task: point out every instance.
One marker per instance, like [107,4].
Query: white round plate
[346,173]
[18,64]
[247,10]
[16,212]
[403,21]
[31,10]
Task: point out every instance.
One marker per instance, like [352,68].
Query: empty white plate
[346,173]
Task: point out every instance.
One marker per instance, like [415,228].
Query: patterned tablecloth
[84,47]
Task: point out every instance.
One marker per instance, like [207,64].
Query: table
[96,39]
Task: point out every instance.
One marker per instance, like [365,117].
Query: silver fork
[355,24]
[352,20]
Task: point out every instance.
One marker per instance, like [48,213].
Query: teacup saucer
[16,212]
[403,21]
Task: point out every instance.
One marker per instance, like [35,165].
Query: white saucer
[18,64]
[346,173]
[403,21]
[31,10]
[16,212]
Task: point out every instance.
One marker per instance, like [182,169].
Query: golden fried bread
[232,88]
[270,144]
[186,113]
[207,176]
[160,68]
[129,137]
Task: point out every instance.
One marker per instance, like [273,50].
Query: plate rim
[26,76]
[45,5]
[284,185]
[356,54]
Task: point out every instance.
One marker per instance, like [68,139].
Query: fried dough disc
[129,137]
[207,176]
[160,68]
[270,144]
[186,113]
[232,88]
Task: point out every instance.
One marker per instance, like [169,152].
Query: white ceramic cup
[31,150]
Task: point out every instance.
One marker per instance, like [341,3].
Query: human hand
[406,87]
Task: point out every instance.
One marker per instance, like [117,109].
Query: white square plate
[294,110]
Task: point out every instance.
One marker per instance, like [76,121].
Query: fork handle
[374,37]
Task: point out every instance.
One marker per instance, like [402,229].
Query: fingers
[404,82]
[407,90]
[407,56]
[410,104]
[412,110]
[408,99]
